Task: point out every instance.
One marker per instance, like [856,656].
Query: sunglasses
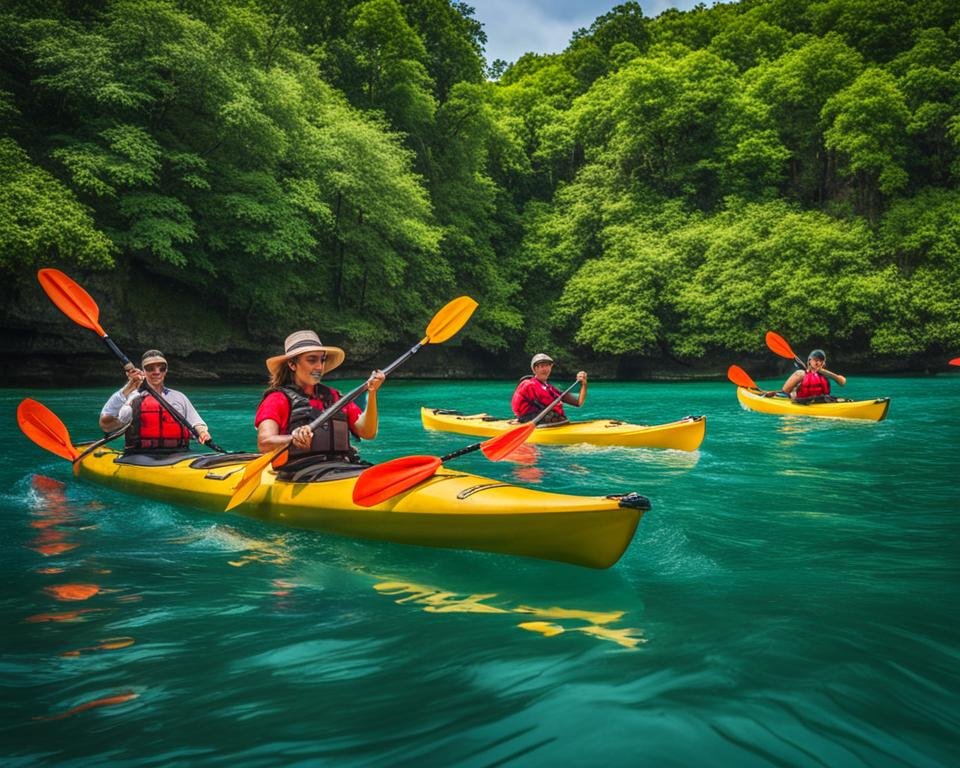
[161,367]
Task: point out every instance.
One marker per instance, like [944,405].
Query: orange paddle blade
[740,377]
[71,299]
[501,446]
[450,319]
[955,361]
[42,426]
[384,481]
[779,346]
[250,480]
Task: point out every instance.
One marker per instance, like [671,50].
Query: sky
[515,27]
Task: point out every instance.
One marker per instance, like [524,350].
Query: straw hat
[305,341]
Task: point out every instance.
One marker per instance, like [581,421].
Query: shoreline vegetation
[643,205]
[247,369]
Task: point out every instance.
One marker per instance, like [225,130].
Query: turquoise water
[791,599]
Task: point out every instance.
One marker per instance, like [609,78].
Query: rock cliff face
[39,346]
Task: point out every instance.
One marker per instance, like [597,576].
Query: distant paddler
[535,392]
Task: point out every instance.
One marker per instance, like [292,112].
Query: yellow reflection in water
[590,623]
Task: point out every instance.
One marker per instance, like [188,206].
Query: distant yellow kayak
[870,410]
[683,435]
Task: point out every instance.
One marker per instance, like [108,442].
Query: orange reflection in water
[528,474]
[52,511]
[110,644]
[61,616]
[107,701]
[72,591]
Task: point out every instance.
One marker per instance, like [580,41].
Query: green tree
[867,129]
[41,220]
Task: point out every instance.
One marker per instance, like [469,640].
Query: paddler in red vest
[152,428]
[814,382]
[534,393]
[295,396]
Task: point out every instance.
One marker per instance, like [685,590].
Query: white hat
[540,358]
[300,342]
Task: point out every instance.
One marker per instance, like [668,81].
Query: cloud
[515,27]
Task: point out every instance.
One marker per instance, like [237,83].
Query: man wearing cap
[813,383]
[295,396]
[534,393]
[151,425]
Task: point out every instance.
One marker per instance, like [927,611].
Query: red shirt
[276,406]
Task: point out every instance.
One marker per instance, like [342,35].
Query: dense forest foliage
[666,187]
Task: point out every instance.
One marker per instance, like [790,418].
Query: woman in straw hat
[296,396]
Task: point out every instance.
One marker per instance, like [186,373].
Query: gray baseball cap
[540,358]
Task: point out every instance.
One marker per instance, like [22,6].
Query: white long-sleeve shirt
[121,407]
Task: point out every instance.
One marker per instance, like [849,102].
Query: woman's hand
[302,437]
[375,380]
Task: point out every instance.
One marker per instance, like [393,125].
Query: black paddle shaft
[353,394]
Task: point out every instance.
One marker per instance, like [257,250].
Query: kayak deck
[868,410]
[683,435]
[451,509]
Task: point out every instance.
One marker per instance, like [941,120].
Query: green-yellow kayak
[683,435]
[451,509]
[871,410]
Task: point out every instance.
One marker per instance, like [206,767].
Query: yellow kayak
[451,509]
[870,410]
[683,435]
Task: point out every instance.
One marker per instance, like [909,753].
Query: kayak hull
[683,435]
[451,509]
[869,410]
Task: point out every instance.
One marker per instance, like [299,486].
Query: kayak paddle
[71,299]
[779,346]
[741,378]
[44,428]
[450,319]
[384,481]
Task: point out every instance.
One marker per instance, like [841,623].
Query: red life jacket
[529,399]
[153,427]
[813,385]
